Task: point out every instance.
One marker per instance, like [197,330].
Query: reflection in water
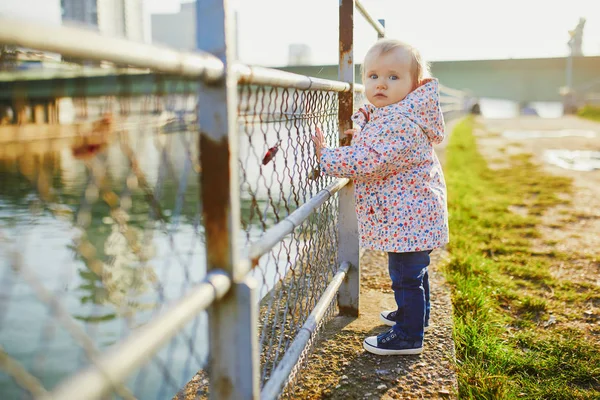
[110,221]
[123,277]
[576,160]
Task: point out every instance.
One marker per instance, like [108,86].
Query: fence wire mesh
[279,173]
[296,272]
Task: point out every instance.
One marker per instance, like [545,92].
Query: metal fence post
[233,338]
[569,96]
[349,294]
[382,22]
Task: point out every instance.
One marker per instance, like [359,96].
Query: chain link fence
[305,260]
[101,230]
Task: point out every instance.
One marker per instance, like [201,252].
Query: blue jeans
[410,283]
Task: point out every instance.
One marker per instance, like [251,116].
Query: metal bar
[85,83]
[233,359]
[452,107]
[117,82]
[450,91]
[346,69]
[281,374]
[569,101]
[273,77]
[18,373]
[88,45]
[375,24]
[455,108]
[244,317]
[348,300]
[451,100]
[379,34]
[63,316]
[278,232]
[569,70]
[116,365]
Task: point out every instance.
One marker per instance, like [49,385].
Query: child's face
[388,77]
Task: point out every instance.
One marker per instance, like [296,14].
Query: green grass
[590,112]
[513,329]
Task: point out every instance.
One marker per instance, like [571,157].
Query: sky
[441,29]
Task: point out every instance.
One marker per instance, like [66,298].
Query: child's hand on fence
[319,140]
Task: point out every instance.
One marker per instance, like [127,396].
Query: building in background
[121,18]
[84,12]
[177,30]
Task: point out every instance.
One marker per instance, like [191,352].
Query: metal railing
[187,185]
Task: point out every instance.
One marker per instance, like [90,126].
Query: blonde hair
[419,68]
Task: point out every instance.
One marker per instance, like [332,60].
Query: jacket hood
[422,106]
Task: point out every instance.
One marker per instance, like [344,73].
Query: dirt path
[574,228]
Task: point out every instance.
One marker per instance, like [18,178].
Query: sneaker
[390,343]
[389,318]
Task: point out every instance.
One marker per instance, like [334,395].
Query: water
[576,160]
[110,276]
[81,221]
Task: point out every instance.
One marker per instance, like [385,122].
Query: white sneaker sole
[392,323]
[388,352]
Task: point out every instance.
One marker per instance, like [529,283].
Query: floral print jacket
[400,192]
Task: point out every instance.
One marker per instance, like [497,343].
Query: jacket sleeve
[391,150]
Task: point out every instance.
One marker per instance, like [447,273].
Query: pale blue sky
[442,29]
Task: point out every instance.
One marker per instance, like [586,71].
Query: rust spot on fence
[346,99]
[346,26]
[346,105]
[348,311]
[214,181]
[224,386]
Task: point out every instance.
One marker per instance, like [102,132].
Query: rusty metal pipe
[273,77]
[375,24]
[89,45]
[117,364]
